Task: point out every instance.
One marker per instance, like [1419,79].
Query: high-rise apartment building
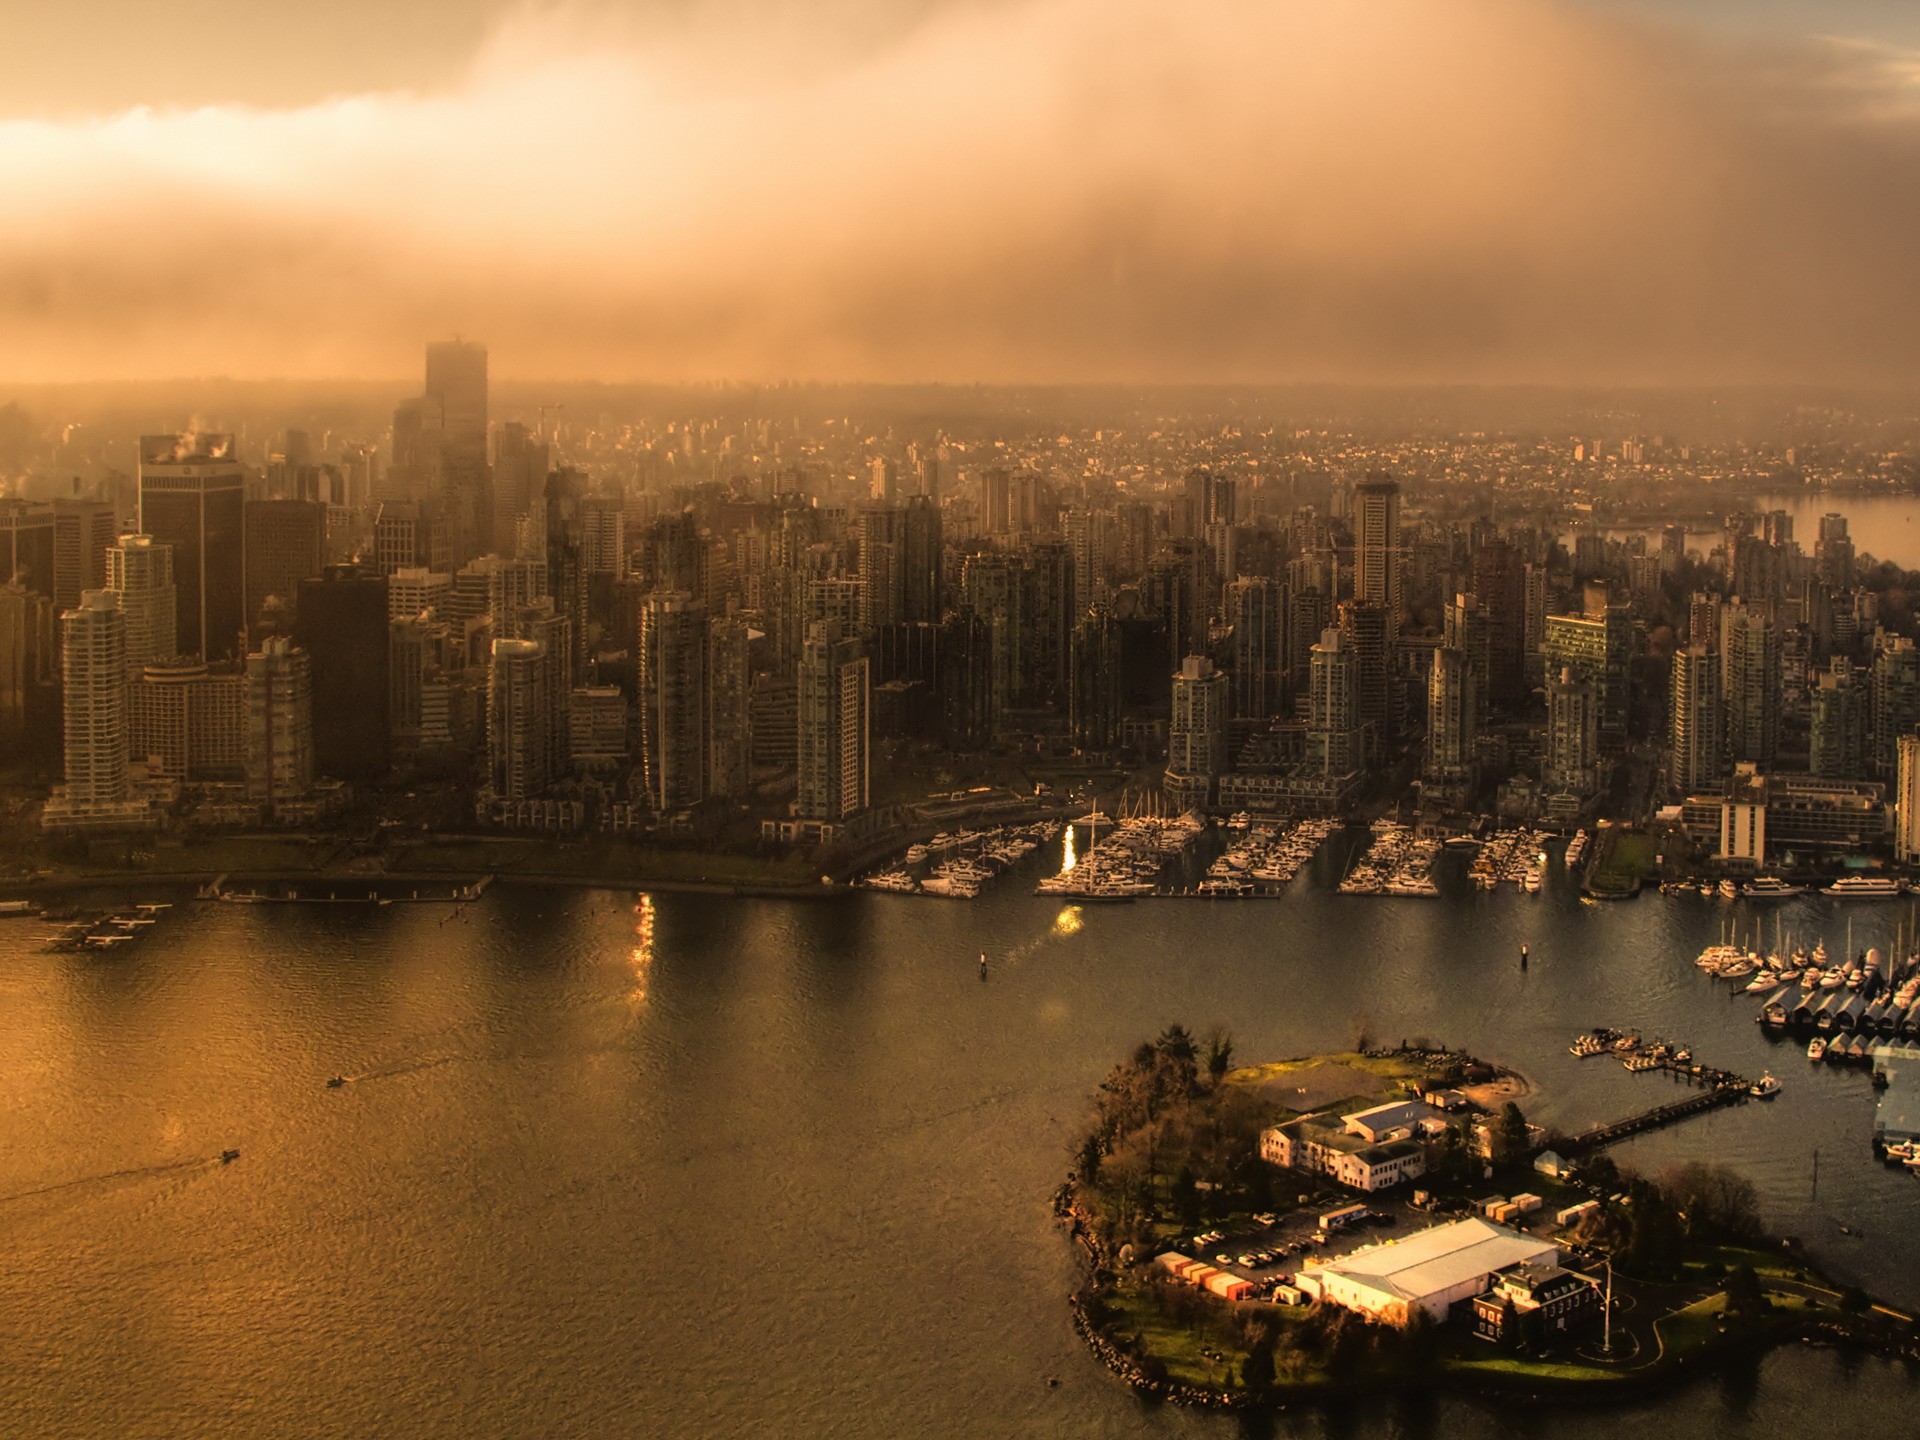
[1376,547]
[1906,799]
[140,572]
[1334,731]
[729,715]
[834,738]
[1750,683]
[1196,734]
[1895,701]
[520,740]
[1694,733]
[672,697]
[193,498]
[98,792]
[1571,765]
[280,762]
[1451,724]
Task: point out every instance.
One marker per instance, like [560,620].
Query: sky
[1373,191]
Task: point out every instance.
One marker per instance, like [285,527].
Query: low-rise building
[1536,1302]
[1426,1273]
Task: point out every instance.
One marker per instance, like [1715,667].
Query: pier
[1601,1136]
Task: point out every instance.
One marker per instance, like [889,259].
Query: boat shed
[1430,1271]
[1897,1117]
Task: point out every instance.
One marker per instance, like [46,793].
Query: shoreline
[1602,1388]
[551,880]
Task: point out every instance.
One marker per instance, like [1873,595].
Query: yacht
[1772,887]
[1864,887]
[1816,1049]
[1728,890]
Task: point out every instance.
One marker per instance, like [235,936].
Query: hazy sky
[1389,190]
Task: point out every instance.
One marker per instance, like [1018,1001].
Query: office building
[29,672]
[456,391]
[27,546]
[1255,610]
[342,626]
[193,499]
[286,543]
[82,531]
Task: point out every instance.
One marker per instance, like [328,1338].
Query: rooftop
[1441,1258]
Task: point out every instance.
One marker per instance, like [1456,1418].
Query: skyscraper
[341,624]
[520,465]
[1895,702]
[834,742]
[27,545]
[1259,633]
[1376,547]
[1841,729]
[29,672]
[1094,706]
[672,698]
[457,390]
[286,543]
[193,498]
[82,531]
[140,572]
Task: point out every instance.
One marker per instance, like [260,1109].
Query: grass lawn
[1495,1363]
[1178,1347]
[1689,1329]
[1729,1257]
[1629,858]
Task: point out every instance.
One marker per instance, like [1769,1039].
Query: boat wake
[138,1172]
[393,1072]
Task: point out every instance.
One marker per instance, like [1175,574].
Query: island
[1389,1219]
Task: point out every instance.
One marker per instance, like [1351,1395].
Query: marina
[958,866]
[1397,861]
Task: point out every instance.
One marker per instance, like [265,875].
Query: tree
[1511,1140]
[1219,1054]
[1088,1160]
[1256,1372]
[1744,1296]
[1509,1324]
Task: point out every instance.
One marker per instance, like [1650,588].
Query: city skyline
[1509,190]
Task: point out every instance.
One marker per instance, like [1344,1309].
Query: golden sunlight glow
[642,957]
[1069,858]
[1068,921]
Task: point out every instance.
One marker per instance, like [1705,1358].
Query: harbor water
[694,1166]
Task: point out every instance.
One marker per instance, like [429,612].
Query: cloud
[1376,190]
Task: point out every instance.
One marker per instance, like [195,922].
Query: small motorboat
[1765,1088]
[227,1157]
[336,1082]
